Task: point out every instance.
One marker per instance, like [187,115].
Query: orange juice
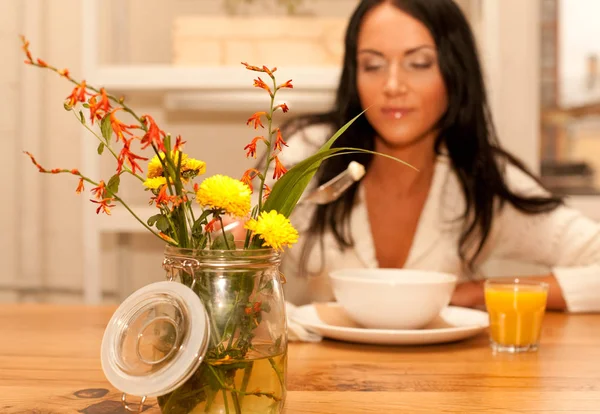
[516,311]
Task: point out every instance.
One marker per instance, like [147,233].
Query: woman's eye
[421,65]
[372,68]
[420,62]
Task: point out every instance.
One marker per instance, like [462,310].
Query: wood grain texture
[50,363]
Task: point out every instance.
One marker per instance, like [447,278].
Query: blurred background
[178,60]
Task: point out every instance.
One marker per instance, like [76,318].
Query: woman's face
[398,76]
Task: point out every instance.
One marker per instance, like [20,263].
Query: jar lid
[155,340]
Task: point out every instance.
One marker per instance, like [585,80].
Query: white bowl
[392,298]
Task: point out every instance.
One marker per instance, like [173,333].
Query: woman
[414,64]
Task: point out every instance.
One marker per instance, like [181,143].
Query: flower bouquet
[227,352]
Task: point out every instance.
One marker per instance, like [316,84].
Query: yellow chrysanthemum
[155,183]
[192,167]
[155,168]
[274,229]
[226,193]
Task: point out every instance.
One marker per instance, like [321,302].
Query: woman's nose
[394,84]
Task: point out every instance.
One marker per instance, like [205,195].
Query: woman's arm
[563,240]
[470,294]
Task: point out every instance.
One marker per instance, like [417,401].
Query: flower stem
[269,149]
[225,403]
[118,199]
[224,235]
[246,379]
[227,388]
[114,154]
[119,101]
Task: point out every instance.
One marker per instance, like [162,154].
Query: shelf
[248,100]
[223,89]
[179,78]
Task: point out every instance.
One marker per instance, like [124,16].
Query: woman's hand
[239,233]
[469,295]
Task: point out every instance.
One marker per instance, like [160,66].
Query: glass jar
[244,367]
[211,339]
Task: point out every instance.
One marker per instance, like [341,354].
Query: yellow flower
[191,168]
[155,183]
[274,228]
[155,168]
[226,193]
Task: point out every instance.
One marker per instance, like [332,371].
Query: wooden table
[50,363]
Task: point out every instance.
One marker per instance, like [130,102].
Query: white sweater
[564,240]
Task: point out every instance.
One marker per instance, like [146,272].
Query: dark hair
[466,131]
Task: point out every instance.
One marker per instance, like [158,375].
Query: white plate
[453,324]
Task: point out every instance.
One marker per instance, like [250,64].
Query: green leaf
[288,190]
[162,224]
[81,118]
[106,129]
[202,242]
[197,228]
[219,242]
[101,148]
[152,220]
[113,184]
[278,342]
[268,287]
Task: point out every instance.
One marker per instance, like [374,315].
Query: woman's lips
[396,112]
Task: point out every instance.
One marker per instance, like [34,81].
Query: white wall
[9,85]
[41,216]
[579,37]
[511,51]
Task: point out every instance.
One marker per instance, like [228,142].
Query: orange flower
[249,176]
[64,72]
[104,205]
[264,69]
[39,167]
[41,63]
[255,308]
[130,157]
[163,199]
[266,192]
[288,84]
[251,147]
[78,94]
[279,141]
[80,187]
[210,227]
[256,119]
[178,144]
[55,170]
[279,169]
[119,128]
[283,107]
[100,191]
[269,71]
[75,171]
[259,83]
[254,68]
[25,48]
[154,135]
[98,110]
[167,238]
